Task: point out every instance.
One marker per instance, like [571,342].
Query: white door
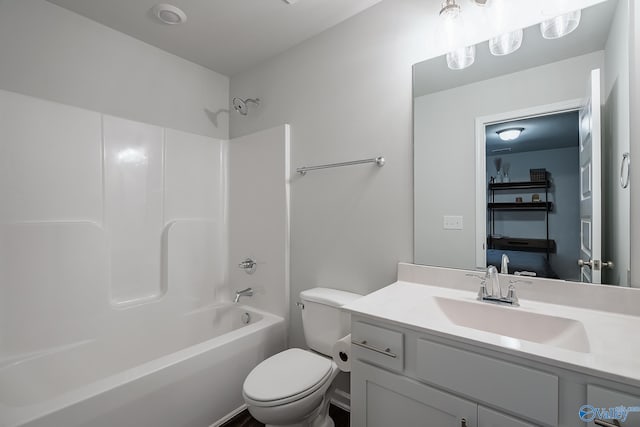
[590,184]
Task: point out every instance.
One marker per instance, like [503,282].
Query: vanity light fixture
[510,134]
[560,26]
[450,9]
[506,43]
[452,30]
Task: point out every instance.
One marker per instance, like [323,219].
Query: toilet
[293,387]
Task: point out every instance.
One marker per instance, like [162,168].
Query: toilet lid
[289,373]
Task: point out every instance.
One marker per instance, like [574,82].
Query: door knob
[582,263]
[608,264]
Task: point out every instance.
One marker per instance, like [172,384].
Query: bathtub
[178,372]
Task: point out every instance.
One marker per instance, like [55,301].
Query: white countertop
[613,349]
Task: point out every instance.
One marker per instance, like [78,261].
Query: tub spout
[243,293]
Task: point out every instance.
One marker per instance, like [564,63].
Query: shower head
[240,105]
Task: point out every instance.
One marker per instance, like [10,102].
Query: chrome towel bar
[378,160]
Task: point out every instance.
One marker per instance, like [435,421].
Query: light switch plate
[453,223]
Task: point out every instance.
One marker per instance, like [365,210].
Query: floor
[244,419]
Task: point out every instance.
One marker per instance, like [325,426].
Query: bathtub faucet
[243,293]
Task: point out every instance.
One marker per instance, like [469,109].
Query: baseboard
[342,400]
[229,416]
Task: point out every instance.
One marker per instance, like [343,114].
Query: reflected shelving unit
[545,245]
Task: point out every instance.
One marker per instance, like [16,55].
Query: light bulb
[506,43]
[461,58]
[560,26]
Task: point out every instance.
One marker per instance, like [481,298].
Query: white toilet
[293,387]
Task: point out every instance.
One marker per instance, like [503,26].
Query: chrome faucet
[504,268]
[243,293]
[494,293]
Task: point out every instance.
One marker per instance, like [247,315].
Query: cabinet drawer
[379,346]
[520,390]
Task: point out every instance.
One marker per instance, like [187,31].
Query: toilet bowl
[293,388]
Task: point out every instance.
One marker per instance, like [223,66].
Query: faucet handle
[482,292]
[482,277]
[511,295]
[514,281]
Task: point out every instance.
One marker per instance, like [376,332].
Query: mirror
[477,197]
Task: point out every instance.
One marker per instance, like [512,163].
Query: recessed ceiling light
[169,14]
[510,134]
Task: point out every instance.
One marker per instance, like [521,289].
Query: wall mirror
[506,157]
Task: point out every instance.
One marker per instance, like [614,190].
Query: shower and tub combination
[119,248]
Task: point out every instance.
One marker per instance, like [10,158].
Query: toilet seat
[286,377]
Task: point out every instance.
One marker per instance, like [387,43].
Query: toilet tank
[323,320]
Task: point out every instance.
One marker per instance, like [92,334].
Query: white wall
[445,148]
[347,95]
[635,141]
[51,53]
[259,203]
[616,200]
[103,220]
[564,221]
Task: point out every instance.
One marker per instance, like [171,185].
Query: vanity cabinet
[402,377]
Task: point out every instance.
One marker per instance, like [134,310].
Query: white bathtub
[179,372]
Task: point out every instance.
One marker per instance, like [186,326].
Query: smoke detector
[481,2]
[168,14]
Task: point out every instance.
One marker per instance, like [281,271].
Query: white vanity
[427,353]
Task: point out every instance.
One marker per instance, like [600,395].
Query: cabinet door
[490,418]
[383,399]
[601,408]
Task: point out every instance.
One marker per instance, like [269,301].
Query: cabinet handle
[624,178]
[463,422]
[615,423]
[386,352]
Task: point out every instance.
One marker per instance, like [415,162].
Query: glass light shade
[461,58]
[506,43]
[560,26]
[510,134]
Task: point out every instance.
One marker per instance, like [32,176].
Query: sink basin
[515,323]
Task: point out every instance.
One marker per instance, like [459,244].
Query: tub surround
[609,316]
[115,266]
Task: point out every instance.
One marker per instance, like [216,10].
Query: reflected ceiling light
[506,43]
[510,134]
[169,14]
[560,26]
[461,58]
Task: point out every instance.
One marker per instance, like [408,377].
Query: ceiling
[433,75]
[227,36]
[540,133]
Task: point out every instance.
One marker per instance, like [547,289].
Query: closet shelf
[522,244]
[524,185]
[525,206]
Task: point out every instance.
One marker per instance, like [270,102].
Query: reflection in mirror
[546,196]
